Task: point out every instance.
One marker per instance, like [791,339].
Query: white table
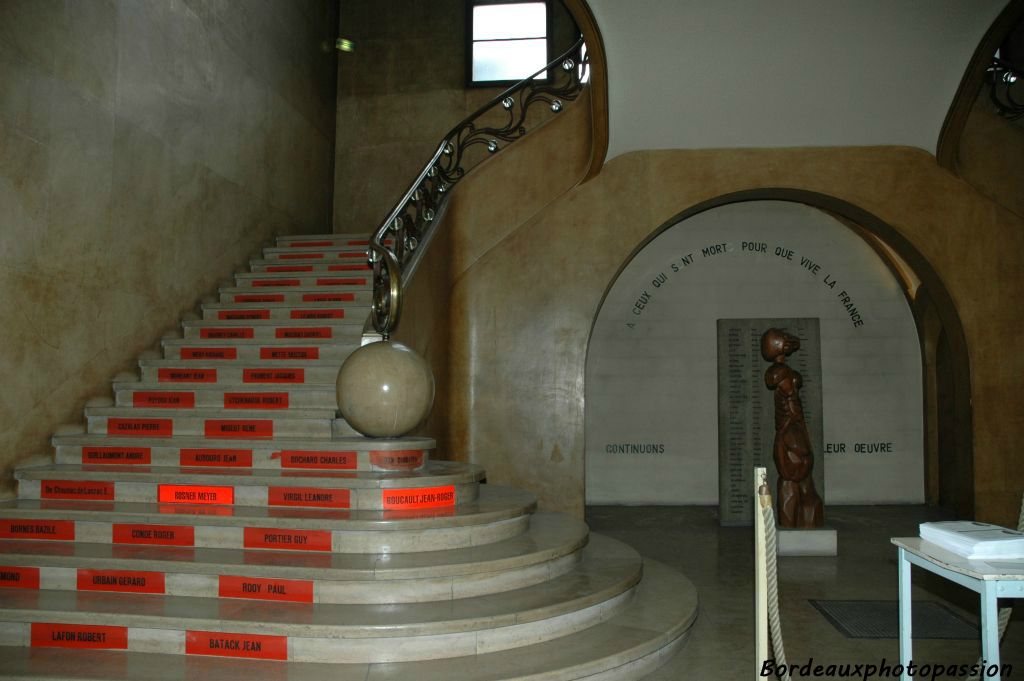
[991,580]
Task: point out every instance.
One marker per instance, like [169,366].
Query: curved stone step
[437,484]
[283,394]
[360,295]
[597,588]
[346,454]
[282,529]
[220,424]
[628,646]
[214,366]
[271,349]
[284,311]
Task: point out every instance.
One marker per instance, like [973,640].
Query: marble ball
[385,389]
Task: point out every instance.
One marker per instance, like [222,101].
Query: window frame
[482,84]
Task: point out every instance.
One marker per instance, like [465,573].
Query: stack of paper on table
[975,541]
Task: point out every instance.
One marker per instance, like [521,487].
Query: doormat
[881,619]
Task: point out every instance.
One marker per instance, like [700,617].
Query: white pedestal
[821,542]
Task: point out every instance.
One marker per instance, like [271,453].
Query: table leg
[906,645]
[990,627]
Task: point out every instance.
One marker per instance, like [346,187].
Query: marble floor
[720,563]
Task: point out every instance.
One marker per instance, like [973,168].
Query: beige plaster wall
[147,147]
[522,307]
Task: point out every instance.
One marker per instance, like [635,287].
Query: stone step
[360,295]
[627,646]
[303,240]
[311,262]
[292,311]
[279,396]
[597,589]
[218,424]
[273,350]
[438,484]
[496,515]
[344,277]
[460,556]
[278,329]
[207,366]
[355,453]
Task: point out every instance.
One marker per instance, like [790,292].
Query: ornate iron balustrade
[410,222]
[1007,90]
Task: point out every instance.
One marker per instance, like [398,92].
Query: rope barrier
[771,564]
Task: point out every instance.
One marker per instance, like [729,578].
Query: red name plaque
[128,581]
[143,427]
[311,244]
[93,636]
[328,297]
[347,268]
[209,353]
[14,577]
[255,400]
[352,254]
[318,497]
[359,242]
[243,314]
[273,375]
[289,353]
[404,459]
[195,494]
[275,282]
[256,646]
[190,375]
[292,590]
[26,528]
[76,489]
[225,428]
[158,535]
[259,298]
[318,314]
[224,458]
[418,497]
[290,268]
[327,460]
[307,332]
[343,281]
[288,540]
[116,455]
[300,256]
[164,400]
[225,333]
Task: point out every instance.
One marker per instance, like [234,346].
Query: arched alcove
[927,411]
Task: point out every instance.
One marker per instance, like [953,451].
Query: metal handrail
[410,221]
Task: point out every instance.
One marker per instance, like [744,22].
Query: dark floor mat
[881,619]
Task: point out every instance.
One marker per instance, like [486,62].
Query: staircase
[216,520]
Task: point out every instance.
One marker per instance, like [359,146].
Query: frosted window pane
[508,59]
[520,20]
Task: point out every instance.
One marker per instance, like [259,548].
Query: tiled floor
[720,562]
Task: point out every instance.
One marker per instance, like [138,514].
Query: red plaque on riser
[76,489]
[94,636]
[195,494]
[288,540]
[126,581]
[304,332]
[225,333]
[25,528]
[237,428]
[418,497]
[275,282]
[289,353]
[243,314]
[326,460]
[255,400]
[223,458]
[292,590]
[300,256]
[308,496]
[405,459]
[328,297]
[116,455]
[140,427]
[190,375]
[259,298]
[163,400]
[14,577]
[274,376]
[159,535]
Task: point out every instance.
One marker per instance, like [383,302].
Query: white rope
[771,564]
[1004,613]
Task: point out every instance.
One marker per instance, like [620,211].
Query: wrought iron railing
[395,245]
[1007,89]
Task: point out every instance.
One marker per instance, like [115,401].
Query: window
[508,41]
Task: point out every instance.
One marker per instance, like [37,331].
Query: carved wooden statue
[798,501]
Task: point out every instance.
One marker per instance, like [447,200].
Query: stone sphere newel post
[385,389]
